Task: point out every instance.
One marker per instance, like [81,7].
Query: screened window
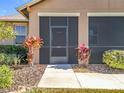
[21,32]
[93,35]
[106,31]
[58,21]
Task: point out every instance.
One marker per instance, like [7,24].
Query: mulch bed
[96,68]
[25,76]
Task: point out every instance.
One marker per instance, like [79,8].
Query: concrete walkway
[59,76]
[62,76]
[101,81]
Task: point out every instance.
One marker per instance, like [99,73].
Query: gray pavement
[59,76]
[62,76]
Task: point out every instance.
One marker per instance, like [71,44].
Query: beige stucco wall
[12,41]
[71,6]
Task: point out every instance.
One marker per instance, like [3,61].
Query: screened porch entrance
[60,35]
[59,44]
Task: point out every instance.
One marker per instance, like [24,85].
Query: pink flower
[82,46]
[83,52]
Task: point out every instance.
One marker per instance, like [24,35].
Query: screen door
[58,45]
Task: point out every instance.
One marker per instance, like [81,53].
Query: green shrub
[10,59]
[114,58]
[20,51]
[6,77]
[16,59]
[2,57]
[13,49]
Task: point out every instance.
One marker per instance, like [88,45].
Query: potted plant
[83,53]
[32,43]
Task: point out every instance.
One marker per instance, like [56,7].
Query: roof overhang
[28,4]
[23,9]
[15,20]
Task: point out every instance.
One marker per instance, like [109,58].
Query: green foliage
[13,49]
[8,53]
[6,31]
[74,91]
[2,57]
[16,59]
[114,58]
[10,59]
[6,77]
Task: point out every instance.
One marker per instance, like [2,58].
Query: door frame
[66,47]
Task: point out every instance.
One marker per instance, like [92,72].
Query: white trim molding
[103,14]
[58,14]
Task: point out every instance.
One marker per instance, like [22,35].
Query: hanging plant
[32,43]
[83,54]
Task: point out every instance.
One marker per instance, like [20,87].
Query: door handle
[58,46]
